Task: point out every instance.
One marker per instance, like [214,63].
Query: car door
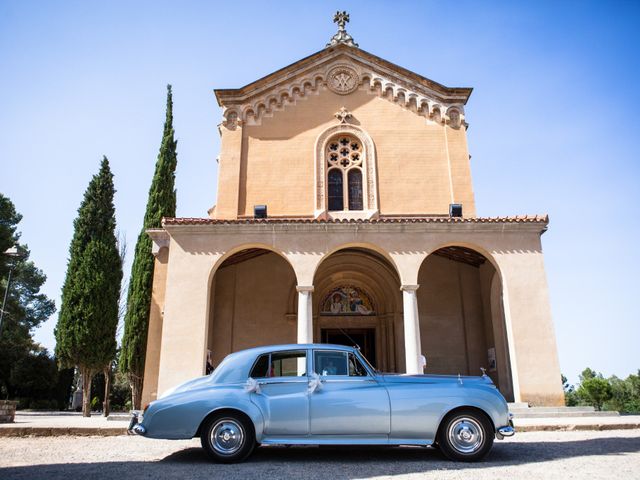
[282,394]
[348,399]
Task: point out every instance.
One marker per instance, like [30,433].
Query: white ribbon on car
[252,386]
[315,382]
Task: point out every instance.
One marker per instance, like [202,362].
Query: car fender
[486,401]
[180,416]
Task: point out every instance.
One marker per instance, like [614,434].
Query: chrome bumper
[135,427]
[506,431]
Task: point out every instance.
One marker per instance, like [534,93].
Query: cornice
[523,224]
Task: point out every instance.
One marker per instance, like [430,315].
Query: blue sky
[553,122]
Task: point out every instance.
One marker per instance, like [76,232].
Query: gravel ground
[535,455]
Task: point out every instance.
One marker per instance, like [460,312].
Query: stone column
[535,368]
[305,314]
[183,351]
[412,348]
[160,250]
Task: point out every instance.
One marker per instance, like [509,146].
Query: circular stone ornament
[342,80]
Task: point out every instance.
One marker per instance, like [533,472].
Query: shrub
[595,391]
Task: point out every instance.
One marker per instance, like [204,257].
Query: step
[119,417]
[552,410]
[520,411]
[564,414]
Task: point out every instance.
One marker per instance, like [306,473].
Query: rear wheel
[228,437]
[465,435]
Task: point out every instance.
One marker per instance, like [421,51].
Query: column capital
[409,288]
[303,288]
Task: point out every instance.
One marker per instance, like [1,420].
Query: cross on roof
[341,18]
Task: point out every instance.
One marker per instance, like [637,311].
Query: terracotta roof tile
[209,221]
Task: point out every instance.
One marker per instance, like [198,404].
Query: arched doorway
[249,298]
[357,301]
[462,326]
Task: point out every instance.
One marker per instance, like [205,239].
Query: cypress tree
[161,203]
[86,329]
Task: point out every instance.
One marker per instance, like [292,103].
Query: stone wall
[422,166]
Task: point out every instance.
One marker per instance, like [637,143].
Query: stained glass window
[336,194]
[355,189]
[344,179]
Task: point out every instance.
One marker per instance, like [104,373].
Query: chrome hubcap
[227,436]
[466,435]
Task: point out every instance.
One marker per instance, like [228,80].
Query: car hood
[404,378]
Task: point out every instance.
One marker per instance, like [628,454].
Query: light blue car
[319,394]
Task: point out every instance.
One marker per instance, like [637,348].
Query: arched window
[344,156]
[336,193]
[355,189]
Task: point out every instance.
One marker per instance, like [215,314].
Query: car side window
[261,367]
[280,364]
[329,362]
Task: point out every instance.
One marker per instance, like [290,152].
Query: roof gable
[342,68]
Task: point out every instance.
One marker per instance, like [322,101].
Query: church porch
[395,287]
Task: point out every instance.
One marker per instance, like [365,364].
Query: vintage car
[325,395]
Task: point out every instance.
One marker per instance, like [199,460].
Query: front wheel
[465,435]
[228,438]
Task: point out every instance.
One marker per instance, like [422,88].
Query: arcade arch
[461,316]
[357,300]
[248,302]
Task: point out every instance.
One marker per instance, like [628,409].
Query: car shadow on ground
[325,462]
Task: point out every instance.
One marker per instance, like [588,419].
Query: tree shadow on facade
[327,462]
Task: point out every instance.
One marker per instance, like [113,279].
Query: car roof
[236,366]
[297,346]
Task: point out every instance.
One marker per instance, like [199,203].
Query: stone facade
[358,161]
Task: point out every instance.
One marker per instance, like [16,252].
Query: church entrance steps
[521,410]
[567,424]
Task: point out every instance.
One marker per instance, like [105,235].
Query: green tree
[86,329]
[594,389]
[25,308]
[588,374]
[625,394]
[161,203]
[571,398]
[35,377]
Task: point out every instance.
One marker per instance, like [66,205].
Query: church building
[345,214]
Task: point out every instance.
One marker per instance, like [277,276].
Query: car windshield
[371,367]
